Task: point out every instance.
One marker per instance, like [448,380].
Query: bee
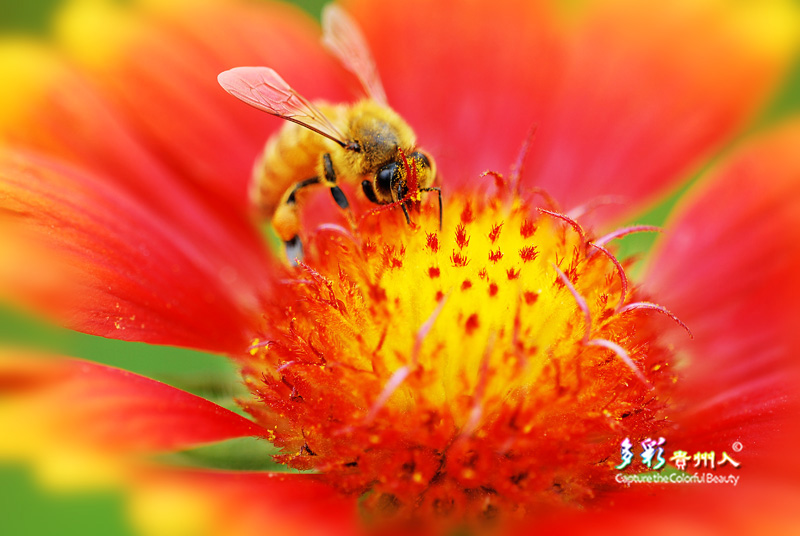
[322,144]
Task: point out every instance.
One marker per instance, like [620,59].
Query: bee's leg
[438,190]
[401,195]
[405,213]
[292,197]
[286,221]
[330,181]
[340,198]
[336,192]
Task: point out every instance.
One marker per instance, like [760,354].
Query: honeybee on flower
[477,375]
[376,148]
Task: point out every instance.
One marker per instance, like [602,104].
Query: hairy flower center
[492,367]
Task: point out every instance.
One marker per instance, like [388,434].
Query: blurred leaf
[241,454]
[27,510]
[26,16]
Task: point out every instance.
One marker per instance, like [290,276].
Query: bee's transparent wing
[263,88]
[340,34]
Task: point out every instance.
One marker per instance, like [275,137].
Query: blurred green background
[27,510]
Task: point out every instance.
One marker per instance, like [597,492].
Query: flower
[485,373]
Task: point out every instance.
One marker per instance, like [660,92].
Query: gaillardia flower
[498,370]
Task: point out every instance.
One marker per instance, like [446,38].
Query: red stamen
[499,181]
[458,259]
[391,386]
[334,228]
[659,308]
[286,365]
[467,216]
[494,234]
[259,345]
[575,225]
[589,206]
[620,270]
[493,289]
[622,354]
[327,283]
[432,241]
[411,173]
[619,233]
[580,301]
[544,194]
[527,228]
[462,240]
[472,324]
[530,297]
[528,253]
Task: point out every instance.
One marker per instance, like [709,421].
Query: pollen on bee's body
[478,366]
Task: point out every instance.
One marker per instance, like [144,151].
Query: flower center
[490,368]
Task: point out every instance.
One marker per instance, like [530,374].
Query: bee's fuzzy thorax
[379,131]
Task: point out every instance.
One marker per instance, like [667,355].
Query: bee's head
[391,182]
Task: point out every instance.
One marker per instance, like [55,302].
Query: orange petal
[627,96]
[728,268]
[217,503]
[159,63]
[51,108]
[83,250]
[75,418]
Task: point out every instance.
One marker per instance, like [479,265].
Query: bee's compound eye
[385,177]
[421,159]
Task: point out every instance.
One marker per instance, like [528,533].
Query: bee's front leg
[438,190]
[336,192]
[330,181]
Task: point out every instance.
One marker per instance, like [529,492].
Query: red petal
[729,270]
[627,98]
[63,403]
[61,407]
[241,504]
[159,66]
[650,91]
[80,248]
[469,78]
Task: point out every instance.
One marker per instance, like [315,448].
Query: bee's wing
[263,88]
[341,35]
